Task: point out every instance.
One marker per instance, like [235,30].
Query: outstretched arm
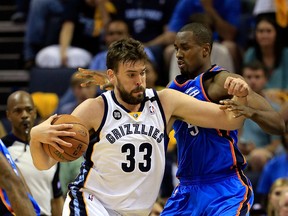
[204,114]
[15,189]
[257,109]
[261,112]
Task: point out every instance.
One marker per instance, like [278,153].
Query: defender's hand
[236,87]
[93,77]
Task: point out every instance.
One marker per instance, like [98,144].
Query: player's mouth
[181,64]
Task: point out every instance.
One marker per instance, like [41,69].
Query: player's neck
[130,107]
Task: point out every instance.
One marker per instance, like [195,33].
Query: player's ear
[110,74]
[206,50]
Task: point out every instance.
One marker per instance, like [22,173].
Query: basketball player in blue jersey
[14,198]
[210,166]
[124,162]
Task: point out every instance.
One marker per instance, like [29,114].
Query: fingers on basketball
[79,142]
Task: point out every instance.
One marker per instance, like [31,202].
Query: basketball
[79,142]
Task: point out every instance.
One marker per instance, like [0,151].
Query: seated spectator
[258,146]
[276,168]
[80,94]
[276,9]
[225,15]
[42,28]
[77,30]
[269,50]
[283,204]
[278,188]
[115,30]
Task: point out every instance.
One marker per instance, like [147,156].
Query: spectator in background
[283,204]
[115,30]
[225,15]
[257,145]
[83,23]
[147,19]
[15,198]
[219,54]
[73,23]
[80,94]
[269,50]
[276,9]
[278,187]
[44,185]
[276,168]
[42,28]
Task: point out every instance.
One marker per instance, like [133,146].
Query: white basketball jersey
[129,158]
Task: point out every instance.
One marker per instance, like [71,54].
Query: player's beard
[128,97]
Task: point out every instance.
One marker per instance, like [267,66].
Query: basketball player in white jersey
[124,162]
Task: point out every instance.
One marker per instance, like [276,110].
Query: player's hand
[93,77]
[237,108]
[236,87]
[50,134]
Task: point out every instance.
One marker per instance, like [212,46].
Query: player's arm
[50,134]
[15,189]
[196,112]
[260,111]
[257,109]
[57,205]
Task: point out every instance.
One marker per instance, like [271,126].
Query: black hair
[202,34]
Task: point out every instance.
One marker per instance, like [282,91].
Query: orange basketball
[79,142]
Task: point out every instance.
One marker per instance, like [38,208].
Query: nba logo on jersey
[117,114]
[152,109]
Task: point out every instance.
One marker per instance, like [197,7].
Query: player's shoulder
[222,76]
[92,102]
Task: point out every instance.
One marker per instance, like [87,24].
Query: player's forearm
[236,122]
[19,199]
[57,206]
[270,121]
[40,159]
[15,189]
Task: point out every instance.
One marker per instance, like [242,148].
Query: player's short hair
[125,50]
[201,33]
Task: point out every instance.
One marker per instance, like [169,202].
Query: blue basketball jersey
[204,153]
[5,206]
